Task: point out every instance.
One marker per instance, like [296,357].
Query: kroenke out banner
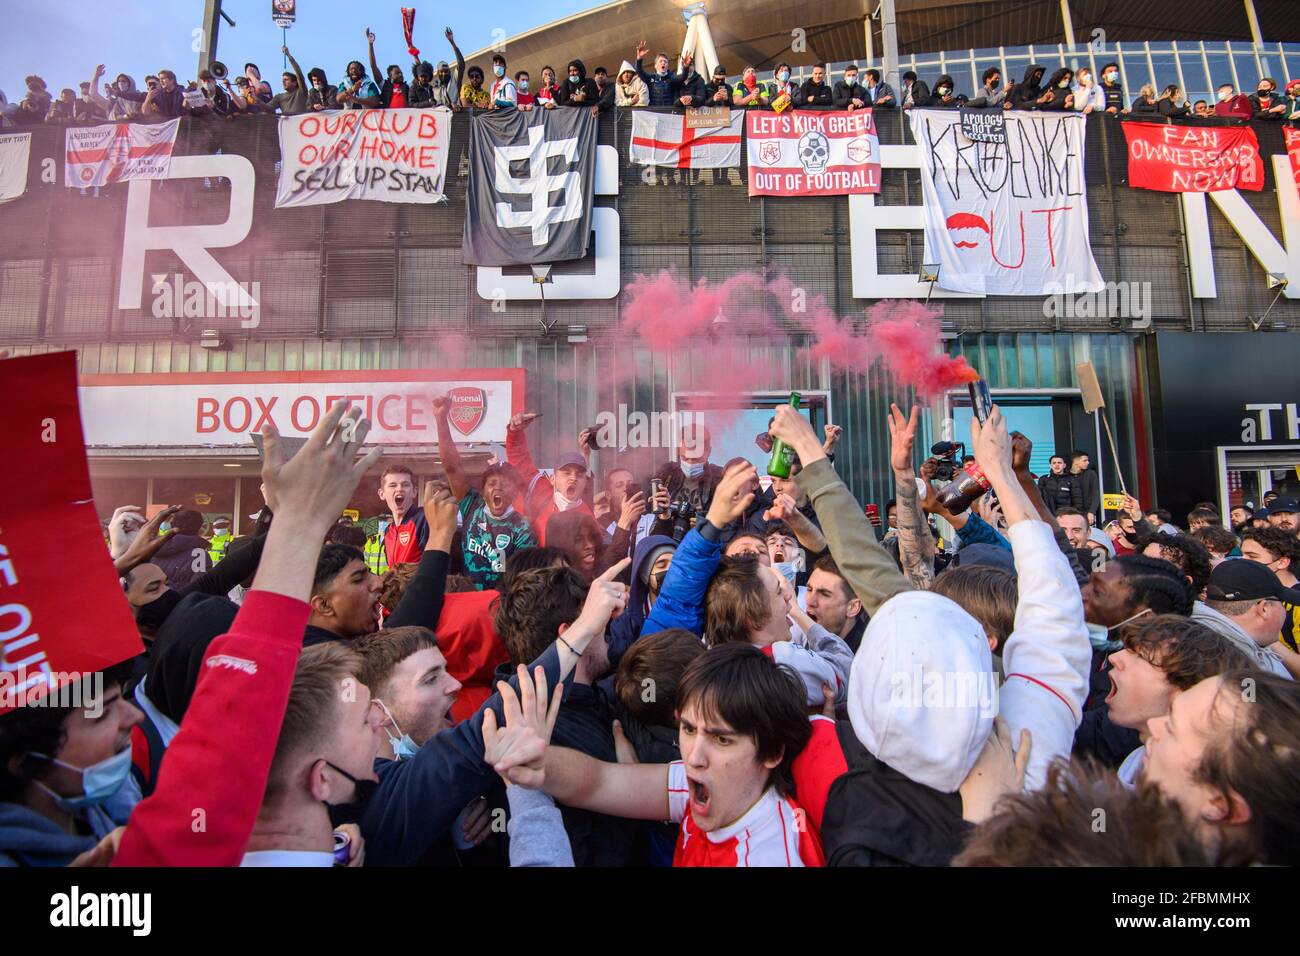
[384,155]
[1193,159]
[1006,218]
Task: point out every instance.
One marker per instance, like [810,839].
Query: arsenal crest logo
[770,152]
[404,538]
[468,405]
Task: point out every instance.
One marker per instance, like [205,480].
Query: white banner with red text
[384,155]
[812,153]
[213,410]
[1006,218]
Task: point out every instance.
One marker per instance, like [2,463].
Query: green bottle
[778,466]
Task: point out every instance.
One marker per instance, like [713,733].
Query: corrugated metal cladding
[571,382]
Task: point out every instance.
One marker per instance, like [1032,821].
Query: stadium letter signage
[812,153]
[386,155]
[189,243]
[1193,159]
[1006,219]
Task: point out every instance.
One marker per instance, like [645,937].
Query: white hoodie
[921,692]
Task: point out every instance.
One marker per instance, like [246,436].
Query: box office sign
[178,410]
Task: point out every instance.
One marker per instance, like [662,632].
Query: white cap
[922,693]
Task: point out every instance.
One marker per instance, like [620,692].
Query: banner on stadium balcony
[1006,219]
[116,152]
[1291,136]
[1193,159]
[812,153]
[667,139]
[531,186]
[15,150]
[48,526]
[382,155]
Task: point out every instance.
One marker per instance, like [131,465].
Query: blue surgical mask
[523,86]
[851,79]
[692,469]
[783,76]
[499,70]
[786,569]
[403,747]
[99,782]
[1112,76]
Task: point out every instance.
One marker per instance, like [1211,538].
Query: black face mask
[341,813]
[657,581]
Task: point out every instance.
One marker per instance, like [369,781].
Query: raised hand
[370,36]
[522,420]
[606,599]
[633,508]
[441,406]
[990,442]
[311,488]
[1021,449]
[733,494]
[517,752]
[797,432]
[641,49]
[902,436]
[833,433]
[440,511]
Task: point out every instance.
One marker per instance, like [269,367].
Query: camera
[683,515]
[948,455]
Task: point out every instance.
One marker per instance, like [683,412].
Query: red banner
[1292,138]
[1193,159]
[62,612]
[812,153]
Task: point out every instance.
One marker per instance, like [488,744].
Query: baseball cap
[1245,580]
[719,70]
[1283,506]
[442,65]
[571,458]
[990,555]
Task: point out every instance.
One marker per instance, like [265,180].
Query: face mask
[1225,95]
[562,503]
[1264,91]
[124,86]
[850,80]
[523,86]
[786,569]
[1099,635]
[1063,84]
[99,781]
[944,91]
[661,70]
[750,82]
[573,78]
[657,580]
[403,747]
[1112,76]
[783,76]
[693,469]
[499,70]
[341,813]
[1085,79]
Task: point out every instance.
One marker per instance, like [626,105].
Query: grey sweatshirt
[537,836]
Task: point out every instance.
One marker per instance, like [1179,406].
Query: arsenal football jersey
[773,832]
[404,543]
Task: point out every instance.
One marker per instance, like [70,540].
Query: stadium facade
[357,297]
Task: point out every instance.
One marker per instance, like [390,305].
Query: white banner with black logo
[531,182]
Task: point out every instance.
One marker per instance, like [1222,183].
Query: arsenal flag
[62,612]
[116,152]
[665,139]
[1193,159]
[531,186]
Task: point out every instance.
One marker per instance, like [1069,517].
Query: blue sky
[136,38]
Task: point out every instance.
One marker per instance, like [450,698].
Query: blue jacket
[417,800]
[661,88]
[978,531]
[29,839]
[681,599]
[626,628]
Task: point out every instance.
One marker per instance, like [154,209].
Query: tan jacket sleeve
[866,566]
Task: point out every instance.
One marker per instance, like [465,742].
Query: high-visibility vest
[220,542]
[376,556]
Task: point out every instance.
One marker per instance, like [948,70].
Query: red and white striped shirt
[775,831]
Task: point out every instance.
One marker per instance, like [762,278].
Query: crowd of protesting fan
[460,88]
[559,666]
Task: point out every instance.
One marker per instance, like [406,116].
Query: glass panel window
[211,497]
[1220,66]
[1248,72]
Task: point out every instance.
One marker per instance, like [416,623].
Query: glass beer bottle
[778,466]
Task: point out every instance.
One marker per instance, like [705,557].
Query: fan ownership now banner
[381,155]
[812,153]
[15,151]
[48,525]
[117,152]
[531,187]
[1193,159]
[666,139]
[1006,218]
